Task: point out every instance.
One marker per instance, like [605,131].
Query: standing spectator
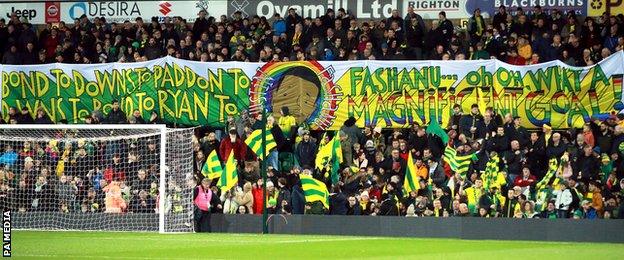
[25,118]
[288,124]
[11,56]
[137,118]
[563,199]
[244,197]
[116,116]
[338,204]
[476,26]
[282,145]
[205,202]
[445,28]
[500,17]
[472,124]
[232,143]
[353,208]
[306,151]
[153,50]
[292,19]
[66,192]
[42,117]
[279,25]
[29,55]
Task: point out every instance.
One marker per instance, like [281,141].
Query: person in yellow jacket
[473,193]
[287,122]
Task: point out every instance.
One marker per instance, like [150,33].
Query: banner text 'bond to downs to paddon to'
[321,94]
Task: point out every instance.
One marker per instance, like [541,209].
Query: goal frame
[162,129]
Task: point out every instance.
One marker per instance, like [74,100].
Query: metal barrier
[603,230]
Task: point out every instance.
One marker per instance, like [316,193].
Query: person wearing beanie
[547,129]
[354,134]
[606,167]
[306,150]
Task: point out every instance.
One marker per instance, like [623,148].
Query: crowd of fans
[514,36]
[587,180]
[118,175]
[70,177]
[59,171]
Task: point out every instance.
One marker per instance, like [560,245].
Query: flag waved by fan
[254,141]
[212,167]
[229,176]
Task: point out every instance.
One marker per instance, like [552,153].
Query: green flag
[459,164]
[491,176]
[229,177]
[435,129]
[324,153]
[254,141]
[336,159]
[412,181]
[212,168]
[314,190]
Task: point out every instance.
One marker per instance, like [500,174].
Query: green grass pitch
[131,245]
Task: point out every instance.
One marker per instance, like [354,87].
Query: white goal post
[97,177]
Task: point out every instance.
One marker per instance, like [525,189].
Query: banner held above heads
[390,94]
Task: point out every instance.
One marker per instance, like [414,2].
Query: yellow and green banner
[319,93]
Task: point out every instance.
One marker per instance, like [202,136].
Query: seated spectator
[114,202]
[142,203]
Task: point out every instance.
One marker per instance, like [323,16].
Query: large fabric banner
[321,94]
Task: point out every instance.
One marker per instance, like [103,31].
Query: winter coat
[239,148]
[353,132]
[306,153]
[283,195]
[116,117]
[338,204]
[468,121]
[298,200]
[258,200]
[563,199]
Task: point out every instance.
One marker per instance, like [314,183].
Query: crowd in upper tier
[515,36]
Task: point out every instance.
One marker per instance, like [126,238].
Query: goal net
[97,177]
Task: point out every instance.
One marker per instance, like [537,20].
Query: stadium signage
[429,9]
[120,11]
[26,13]
[597,7]
[362,9]
[491,7]
[107,9]
[34,12]
[377,93]
[53,12]
[268,8]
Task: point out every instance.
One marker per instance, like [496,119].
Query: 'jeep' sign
[33,12]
